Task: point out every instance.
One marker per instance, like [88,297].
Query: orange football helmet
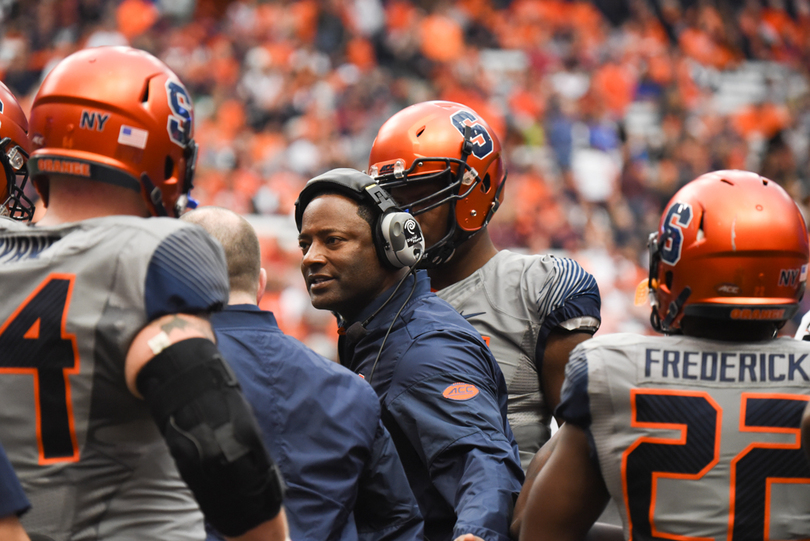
[731,245]
[14,149]
[117,115]
[448,141]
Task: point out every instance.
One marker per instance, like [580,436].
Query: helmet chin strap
[16,205]
[442,251]
[675,308]
[155,196]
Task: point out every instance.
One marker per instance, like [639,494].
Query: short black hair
[365,210]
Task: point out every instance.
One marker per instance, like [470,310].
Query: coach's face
[339,264]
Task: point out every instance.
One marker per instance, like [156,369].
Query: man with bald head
[320,421]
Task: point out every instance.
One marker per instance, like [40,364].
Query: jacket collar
[393,306]
[242,315]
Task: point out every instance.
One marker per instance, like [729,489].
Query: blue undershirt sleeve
[575,406]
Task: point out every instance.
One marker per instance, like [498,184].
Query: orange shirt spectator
[767,119]
[135,17]
[615,84]
[442,38]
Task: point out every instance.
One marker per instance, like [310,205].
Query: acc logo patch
[727,289]
[460,391]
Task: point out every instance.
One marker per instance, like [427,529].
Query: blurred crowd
[604,108]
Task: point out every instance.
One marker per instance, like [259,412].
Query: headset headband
[396,234]
[349,182]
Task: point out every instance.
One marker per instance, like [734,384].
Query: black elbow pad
[198,405]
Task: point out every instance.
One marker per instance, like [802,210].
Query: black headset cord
[412,271]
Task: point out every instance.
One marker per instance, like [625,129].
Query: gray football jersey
[87,452]
[696,438]
[514,301]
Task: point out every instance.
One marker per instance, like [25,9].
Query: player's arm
[559,344]
[12,530]
[599,531]
[572,319]
[535,466]
[196,401]
[568,495]
[13,502]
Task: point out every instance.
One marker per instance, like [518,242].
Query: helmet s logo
[678,217]
[179,124]
[481,139]
[460,391]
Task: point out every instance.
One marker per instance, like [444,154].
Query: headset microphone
[357,330]
[411,271]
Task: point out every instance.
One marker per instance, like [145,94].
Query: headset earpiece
[400,240]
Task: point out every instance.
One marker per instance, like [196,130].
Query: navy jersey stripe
[187,274]
[571,281]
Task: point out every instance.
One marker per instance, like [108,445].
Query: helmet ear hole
[668,279]
[485,184]
[168,168]
[145,93]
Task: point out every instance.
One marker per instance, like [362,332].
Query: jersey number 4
[33,341]
[697,450]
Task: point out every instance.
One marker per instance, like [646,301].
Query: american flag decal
[133,137]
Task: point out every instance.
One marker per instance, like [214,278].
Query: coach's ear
[262,285]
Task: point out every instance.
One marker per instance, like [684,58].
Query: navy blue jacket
[443,398]
[13,500]
[321,424]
